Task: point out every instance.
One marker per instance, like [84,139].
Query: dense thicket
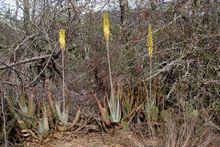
[184,81]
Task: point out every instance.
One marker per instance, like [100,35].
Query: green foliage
[43,126]
[114,105]
[115,110]
[63,116]
[28,120]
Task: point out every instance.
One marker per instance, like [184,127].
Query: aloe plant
[104,113]
[27,124]
[150,44]
[43,126]
[62,115]
[39,128]
[114,104]
[22,104]
[112,114]
[27,108]
[114,109]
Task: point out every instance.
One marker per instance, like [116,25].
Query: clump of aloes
[111,115]
[28,125]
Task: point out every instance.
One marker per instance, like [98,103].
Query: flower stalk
[150,44]
[62,40]
[113,101]
[106,31]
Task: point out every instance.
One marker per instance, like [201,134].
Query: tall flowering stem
[106,31]
[150,44]
[62,41]
[113,102]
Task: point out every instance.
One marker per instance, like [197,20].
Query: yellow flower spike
[106,26]
[62,39]
[150,42]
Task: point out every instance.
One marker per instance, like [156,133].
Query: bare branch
[5,66]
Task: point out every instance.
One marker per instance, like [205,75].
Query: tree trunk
[33,10]
[26,6]
[153,4]
[17,7]
[124,19]
[124,10]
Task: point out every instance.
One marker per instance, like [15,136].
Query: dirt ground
[97,139]
[119,139]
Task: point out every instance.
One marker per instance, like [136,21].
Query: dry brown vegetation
[102,91]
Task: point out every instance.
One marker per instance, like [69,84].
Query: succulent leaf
[31,105]
[63,116]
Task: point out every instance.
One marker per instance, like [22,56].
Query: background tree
[26,6]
